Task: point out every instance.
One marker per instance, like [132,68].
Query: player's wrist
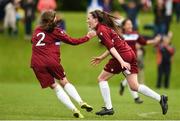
[88,36]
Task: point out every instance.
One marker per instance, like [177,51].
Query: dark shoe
[77,114]
[121,90]
[164,104]
[105,111]
[138,100]
[87,107]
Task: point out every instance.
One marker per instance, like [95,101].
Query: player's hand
[125,65]
[170,34]
[157,39]
[91,34]
[96,60]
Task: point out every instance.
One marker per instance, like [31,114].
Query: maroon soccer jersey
[45,46]
[110,38]
[45,60]
[132,38]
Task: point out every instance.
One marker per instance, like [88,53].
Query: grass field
[28,101]
[22,98]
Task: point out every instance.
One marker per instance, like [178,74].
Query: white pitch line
[147,114]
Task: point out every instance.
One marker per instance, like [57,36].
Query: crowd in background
[13,11]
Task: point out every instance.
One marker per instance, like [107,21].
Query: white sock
[124,82]
[63,97]
[133,93]
[105,92]
[149,92]
[71,90]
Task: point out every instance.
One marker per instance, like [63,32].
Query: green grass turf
[22,98]
[28,101]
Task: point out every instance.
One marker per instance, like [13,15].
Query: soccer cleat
[105,111]
[77,114]
[164,104]
[138,100]
[121,90]
[87,107]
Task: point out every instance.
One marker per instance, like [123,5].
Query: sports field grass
[28,101]
[22,98]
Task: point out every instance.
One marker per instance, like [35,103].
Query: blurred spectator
[2,13]
[94,5]
[19,14]
[177,9]
[168,14]
[140,62]
[147,5]
[165,52]
[61,22]
[107,5]
[29,8]
[132,9]
[10,17]
[1,20]
[46,5]
[160,18]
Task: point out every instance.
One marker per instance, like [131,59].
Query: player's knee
[52,86]
[100,78]
[134,88]
[63,82]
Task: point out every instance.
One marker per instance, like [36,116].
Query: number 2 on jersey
[40,42]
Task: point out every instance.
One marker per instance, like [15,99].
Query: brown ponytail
[47,20]
[106,18]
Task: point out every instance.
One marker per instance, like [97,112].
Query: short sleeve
[141,40]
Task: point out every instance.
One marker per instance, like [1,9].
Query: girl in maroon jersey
[133,38]
[45,61]
[123,60]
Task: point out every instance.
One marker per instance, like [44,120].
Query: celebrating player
[45,60]
[123,60]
